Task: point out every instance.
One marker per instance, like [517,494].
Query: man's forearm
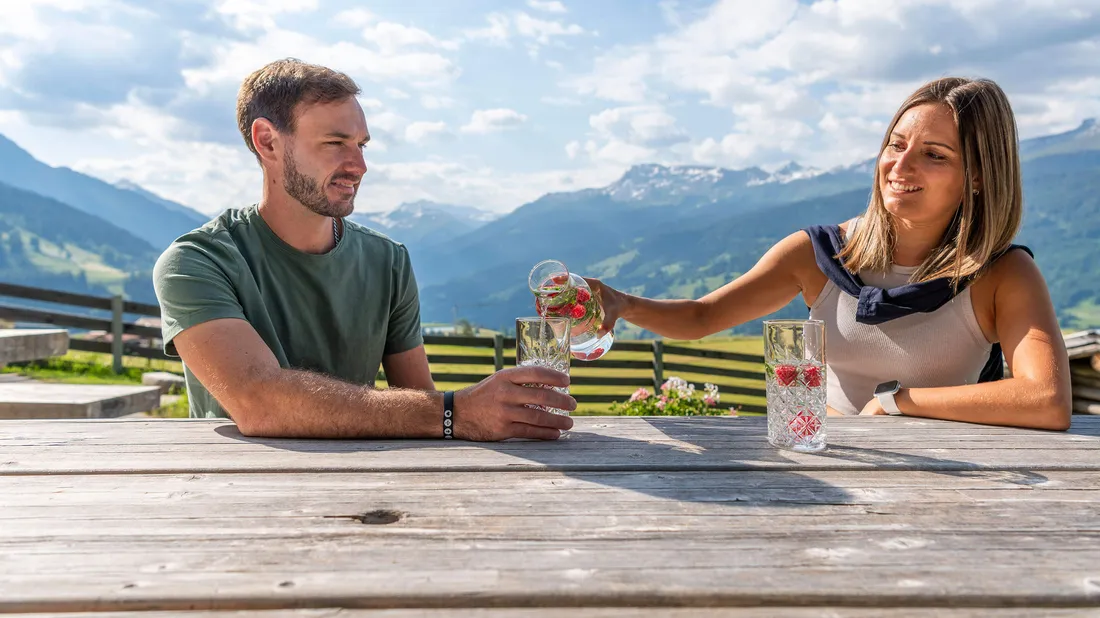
[301,404]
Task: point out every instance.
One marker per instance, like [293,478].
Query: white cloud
[632,134]
[642,125]
[206,176]
[497,32]
[814,82]
[617,77]
[490,120]
[543,30]
[502,27]
[386,129]
[391,37]
[233,60]
[396,93]
[260,14]
[550,6]
[561,101]
[428,101]
[353,18]
[421,131]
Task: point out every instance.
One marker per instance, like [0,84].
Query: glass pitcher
[559,293]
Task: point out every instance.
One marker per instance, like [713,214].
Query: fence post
[116,333]
[498,351]
[658,365]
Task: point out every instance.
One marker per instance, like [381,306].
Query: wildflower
[640,395]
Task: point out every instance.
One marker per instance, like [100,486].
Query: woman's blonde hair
[985,223]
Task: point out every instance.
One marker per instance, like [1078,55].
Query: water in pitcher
[559,293]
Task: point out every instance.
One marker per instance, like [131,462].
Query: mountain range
[661,231]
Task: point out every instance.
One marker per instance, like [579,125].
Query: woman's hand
[872,408]
[612,301]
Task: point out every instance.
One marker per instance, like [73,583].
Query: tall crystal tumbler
[794,365]
[544,342]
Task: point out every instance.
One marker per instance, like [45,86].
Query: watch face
[888,387]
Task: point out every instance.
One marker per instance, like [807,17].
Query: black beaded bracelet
[448,415]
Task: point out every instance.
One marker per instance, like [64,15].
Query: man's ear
[265,139]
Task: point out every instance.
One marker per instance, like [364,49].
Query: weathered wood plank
[774,611]
[37,400]
[703,506]
[858,569]
[22,345]
[595,444]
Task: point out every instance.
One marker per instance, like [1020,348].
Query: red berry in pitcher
[785,375]
[577,312]
[583,295]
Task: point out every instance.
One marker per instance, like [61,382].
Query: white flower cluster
[678,385]
[712,397]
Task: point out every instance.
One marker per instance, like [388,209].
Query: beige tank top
[943,348]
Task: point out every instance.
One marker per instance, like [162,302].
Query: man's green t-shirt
[337,313]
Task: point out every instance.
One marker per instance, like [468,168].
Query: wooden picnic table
[621,517]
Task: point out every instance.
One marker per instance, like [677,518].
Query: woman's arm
[1038,393]
[772,283]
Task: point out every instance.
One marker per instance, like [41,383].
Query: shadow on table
[734,466]
[692,459]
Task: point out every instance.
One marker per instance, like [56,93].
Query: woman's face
[921,168]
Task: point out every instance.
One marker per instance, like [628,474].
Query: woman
[924,290]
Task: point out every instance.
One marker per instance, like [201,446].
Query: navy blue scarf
[877,305]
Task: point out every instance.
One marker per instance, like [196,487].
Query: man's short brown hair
[274,92]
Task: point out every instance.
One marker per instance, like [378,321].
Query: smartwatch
[885,394]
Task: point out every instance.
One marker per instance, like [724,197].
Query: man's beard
[307,191]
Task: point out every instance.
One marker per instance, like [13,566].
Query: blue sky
[493,103]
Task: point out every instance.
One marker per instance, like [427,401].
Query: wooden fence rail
[647,372]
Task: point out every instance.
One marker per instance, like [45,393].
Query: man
[283,311]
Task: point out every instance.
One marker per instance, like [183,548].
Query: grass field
[92,368]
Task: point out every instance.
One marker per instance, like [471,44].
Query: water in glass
[794,364]
[544,342]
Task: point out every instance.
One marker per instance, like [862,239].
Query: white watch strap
[888,403]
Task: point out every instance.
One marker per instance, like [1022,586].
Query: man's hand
[872,408]
[495,408]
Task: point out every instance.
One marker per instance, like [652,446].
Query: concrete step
[44,400]
[168,382]
[19,345]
